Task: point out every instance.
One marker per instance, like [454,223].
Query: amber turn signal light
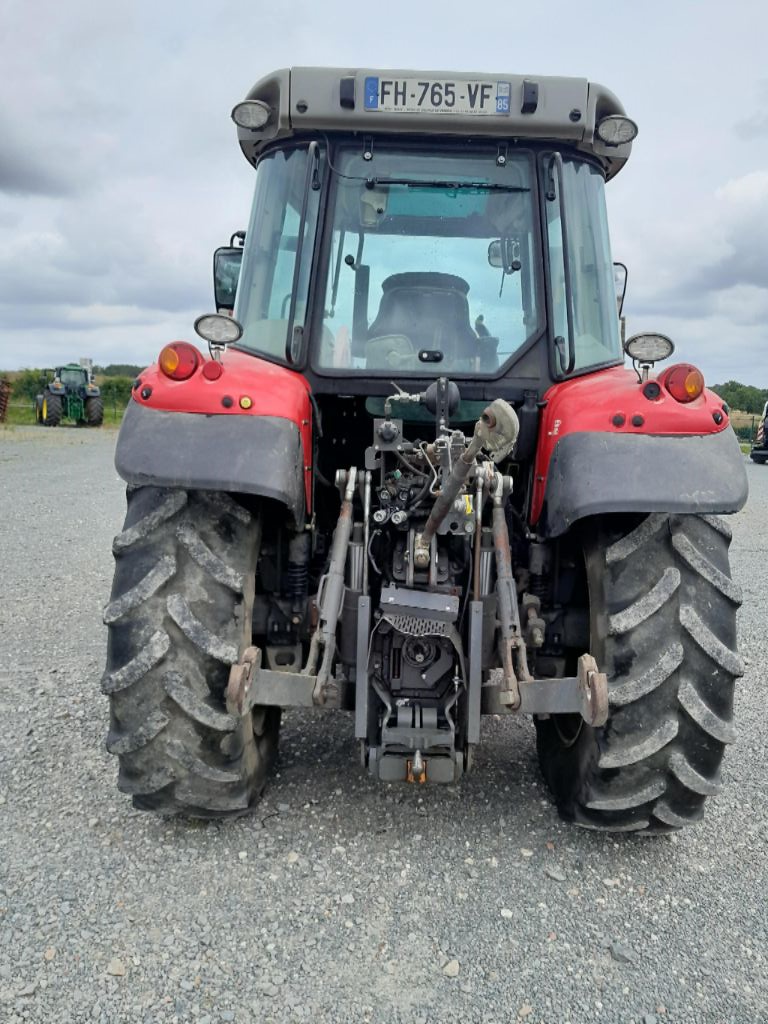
[684,382]
[179,360]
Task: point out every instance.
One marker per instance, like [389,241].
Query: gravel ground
[340,899]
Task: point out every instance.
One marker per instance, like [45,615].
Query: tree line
[27,384]
[118,370]
[744,397]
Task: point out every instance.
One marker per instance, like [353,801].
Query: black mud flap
[240,454]
[595,473]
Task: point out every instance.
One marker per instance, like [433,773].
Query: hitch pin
[416,769]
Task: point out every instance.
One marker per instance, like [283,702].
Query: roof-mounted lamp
[251,114]
[616,130]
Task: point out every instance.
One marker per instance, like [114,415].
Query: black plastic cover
[594,473]
[530,97]
[347,92]
[239,454]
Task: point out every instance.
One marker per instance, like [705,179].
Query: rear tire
[663,625]
[180,615]
[51,410]
[94,411]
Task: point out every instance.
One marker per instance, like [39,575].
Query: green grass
[20,415]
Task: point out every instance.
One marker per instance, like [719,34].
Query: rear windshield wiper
[481,186]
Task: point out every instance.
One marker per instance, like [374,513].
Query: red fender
[612,401]
[271,391]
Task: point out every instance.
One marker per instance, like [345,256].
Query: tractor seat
[430,310]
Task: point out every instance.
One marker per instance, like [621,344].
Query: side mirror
[503,253]
[620,275]
[226,272]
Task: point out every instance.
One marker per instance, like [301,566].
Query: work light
[616,130]
[251,114]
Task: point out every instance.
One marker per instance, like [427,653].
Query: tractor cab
[759,450]
[72,378]
[428,225]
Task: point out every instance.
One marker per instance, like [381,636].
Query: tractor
[412,474]
[71,394]
[759,450]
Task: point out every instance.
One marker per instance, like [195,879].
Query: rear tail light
[684,382]
[179,360]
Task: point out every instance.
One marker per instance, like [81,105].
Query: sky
[120,171]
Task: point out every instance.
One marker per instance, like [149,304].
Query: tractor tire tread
[147,657]
[93,411]
[141,592]
[197,708]
[176,625]
[172,503]
[54,411]
[198,633]
[206,559]
[665,607]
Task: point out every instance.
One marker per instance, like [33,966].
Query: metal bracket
[584,694]
[593,685]
[251,685]
[240,686]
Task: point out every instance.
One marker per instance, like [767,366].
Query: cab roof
[563,111]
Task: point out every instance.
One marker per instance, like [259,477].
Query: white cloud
[121,173]
[748,189]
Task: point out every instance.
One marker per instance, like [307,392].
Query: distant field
[21,414]
[744,423]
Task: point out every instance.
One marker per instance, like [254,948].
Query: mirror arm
[618,263]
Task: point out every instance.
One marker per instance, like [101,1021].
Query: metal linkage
[331,597]
[496,431]
[512,649]
[584,694]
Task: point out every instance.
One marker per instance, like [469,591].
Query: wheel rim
[45,409]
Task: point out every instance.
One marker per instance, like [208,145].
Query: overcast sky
[120,170]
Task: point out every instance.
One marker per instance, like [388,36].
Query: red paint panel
[589,404]
[272,390]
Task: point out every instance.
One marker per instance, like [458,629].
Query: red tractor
[411,477]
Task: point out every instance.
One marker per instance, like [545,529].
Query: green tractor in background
[70,395]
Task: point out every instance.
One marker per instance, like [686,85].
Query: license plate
[436,96]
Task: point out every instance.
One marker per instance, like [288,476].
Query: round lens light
[179,360]
[684,382]
[217,329]
[649,348]
[251,114]
[616,130]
